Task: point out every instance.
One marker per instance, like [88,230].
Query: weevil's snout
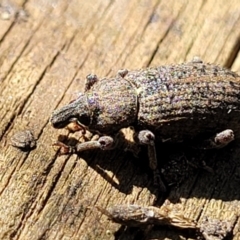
[76,111]
[59,119]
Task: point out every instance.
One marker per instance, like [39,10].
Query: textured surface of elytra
[176,101]
[173,103]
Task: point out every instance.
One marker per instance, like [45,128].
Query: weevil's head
[75,111]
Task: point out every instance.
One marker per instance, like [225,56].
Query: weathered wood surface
[46,50]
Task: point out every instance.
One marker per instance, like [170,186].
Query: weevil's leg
[219,140]
[103,143]
[94,137]
[91,79]
[122,72]
[75,126]
[153,165]
[146,137]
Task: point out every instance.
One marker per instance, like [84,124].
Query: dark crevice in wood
[194,26]
[159,43]
[134,36]
[43,203]
[24,102]
[67,46]
[13,21]
[23,49]
[164,36]
[54,183]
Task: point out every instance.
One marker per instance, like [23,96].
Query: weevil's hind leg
[157,180]
[103,143]
[216,141]
[219,140]
[146,137]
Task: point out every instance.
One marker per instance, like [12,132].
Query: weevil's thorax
[112,105]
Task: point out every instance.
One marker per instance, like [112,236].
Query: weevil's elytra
[174,102]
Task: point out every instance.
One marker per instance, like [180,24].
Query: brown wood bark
[46,50]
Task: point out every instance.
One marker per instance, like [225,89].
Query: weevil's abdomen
[182,101]
[112,104]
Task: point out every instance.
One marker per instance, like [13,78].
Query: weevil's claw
[64,149]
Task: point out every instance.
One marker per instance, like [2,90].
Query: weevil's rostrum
[174,103]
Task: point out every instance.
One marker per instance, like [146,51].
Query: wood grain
[44,59]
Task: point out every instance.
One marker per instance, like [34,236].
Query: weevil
[170,103]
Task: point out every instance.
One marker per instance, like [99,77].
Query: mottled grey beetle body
[173,103]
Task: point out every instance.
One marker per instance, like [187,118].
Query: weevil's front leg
[103,143]
[146,137]
[75,126]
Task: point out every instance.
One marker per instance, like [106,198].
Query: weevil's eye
[83,119]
